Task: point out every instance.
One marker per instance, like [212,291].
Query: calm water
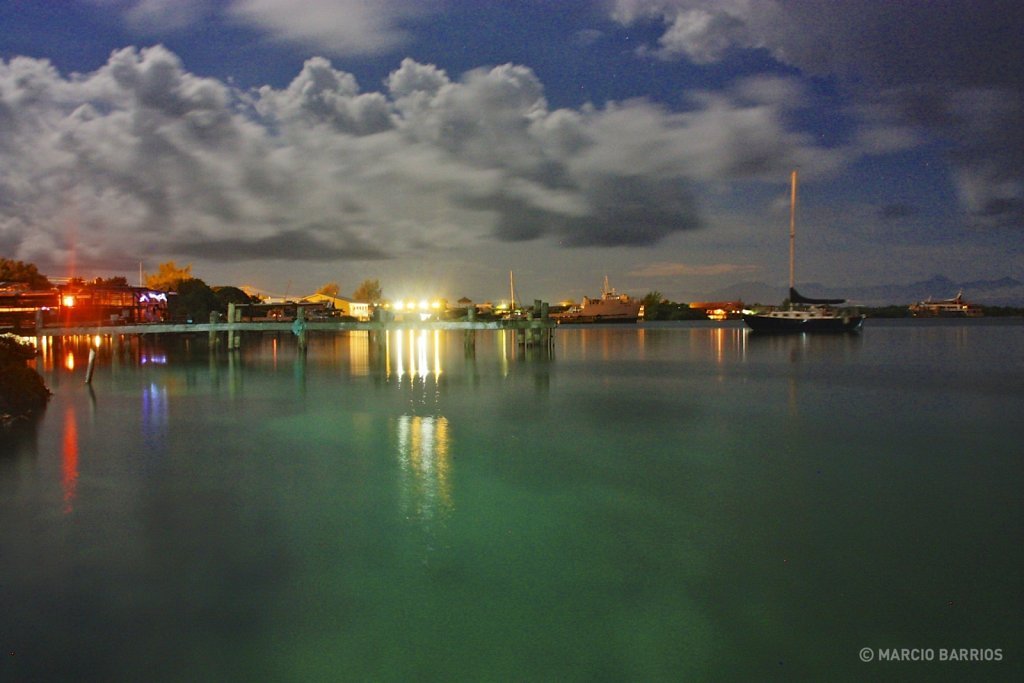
[677,503]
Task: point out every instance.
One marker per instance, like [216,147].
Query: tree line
[195,299]
[657,307]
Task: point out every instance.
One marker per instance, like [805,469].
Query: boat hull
[610,308]
[815,325]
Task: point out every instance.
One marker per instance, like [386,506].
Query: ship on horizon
[946,308]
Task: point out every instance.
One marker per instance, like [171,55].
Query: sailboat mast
[792,231]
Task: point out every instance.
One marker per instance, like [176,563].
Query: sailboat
[803,314]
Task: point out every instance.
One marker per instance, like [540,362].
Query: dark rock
[22,391]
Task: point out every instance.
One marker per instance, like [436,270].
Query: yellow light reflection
[399,353]
[359,353]
[410,354]
[69,361]
[423,454]
[437,354]
[421,354]
[45,360]
[718,341]
[726,342]
[503,343]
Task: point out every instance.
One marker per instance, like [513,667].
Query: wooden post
[299,326]
[213,330]
[547,333]
[535,330]
[231,322]
[91,366]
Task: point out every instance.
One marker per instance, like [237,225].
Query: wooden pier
[530,331]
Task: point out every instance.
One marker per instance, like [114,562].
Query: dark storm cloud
[296,245]
[627,211]
[950,68]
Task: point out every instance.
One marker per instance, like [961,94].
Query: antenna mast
[792,230]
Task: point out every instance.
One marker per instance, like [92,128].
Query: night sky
[436,145]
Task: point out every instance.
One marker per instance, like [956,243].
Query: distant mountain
[1006,291]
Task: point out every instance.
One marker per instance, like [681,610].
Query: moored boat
[803,314]
[805,318]
[946,308]
[612,307]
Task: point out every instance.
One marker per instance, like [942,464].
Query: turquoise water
[685,502]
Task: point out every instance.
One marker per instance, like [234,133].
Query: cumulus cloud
[339,27]
[950,68]
[143,157]
[333,27]
[148,17]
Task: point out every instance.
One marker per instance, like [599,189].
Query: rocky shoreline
[23,394]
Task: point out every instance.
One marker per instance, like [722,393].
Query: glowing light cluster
[412,305]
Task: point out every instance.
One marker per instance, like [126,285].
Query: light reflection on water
[69,459]
[649,503]
[425,464]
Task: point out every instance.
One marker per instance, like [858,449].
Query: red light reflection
[69,460]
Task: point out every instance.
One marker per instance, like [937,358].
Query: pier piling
[92,364]
[299,327]
[213,330]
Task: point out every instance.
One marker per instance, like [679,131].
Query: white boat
[803,314]
[946,308]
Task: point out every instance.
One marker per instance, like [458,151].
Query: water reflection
[405,356]
[798,347]
[726,343]
[412,354]
[606,343]
[358,352]
[155,417]
[423,454]
[801,355]
[69,459]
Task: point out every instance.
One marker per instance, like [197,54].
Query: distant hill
[1005,291]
